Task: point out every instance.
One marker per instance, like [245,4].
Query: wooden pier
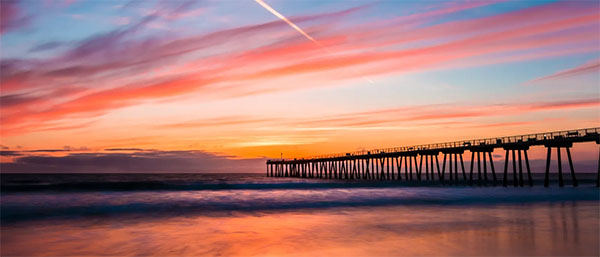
[391,163]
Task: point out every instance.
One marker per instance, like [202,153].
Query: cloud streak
[441,114]
[134,162]
[406,115]
[592,67]
[98,81]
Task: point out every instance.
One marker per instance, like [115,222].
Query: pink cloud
[101,62]
[448,112]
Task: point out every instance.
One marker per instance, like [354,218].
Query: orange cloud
[529,29]
[403,115]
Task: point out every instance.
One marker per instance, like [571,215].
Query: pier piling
[387,164]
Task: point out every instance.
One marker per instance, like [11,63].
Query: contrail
[280,16]
[283,18]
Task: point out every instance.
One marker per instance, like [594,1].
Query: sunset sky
[217,86]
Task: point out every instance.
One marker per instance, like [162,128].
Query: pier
[408,163]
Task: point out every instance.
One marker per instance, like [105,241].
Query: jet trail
[283,18]
[280,16]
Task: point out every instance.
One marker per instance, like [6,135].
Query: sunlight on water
[512,229]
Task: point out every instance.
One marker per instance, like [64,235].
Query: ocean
[255,215]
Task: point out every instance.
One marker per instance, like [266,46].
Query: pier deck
[388,163]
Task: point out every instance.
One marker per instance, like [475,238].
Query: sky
[220,86]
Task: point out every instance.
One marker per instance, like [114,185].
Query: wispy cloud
[128,67]
[405,116]
[591,67]
[220,121]
[462,115]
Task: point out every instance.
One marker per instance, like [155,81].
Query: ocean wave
[31,206]
[195,182]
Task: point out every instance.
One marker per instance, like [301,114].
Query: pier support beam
[437,164]
[417,168]
[410,168]
[471,169]
[381,168]
[353,173]
[452,156]
[409,159]
[522,150]
[367,171]
[399,167]
[462,165]
[443,168]
[486,151]
[365,166]
[558,146]
[330,169]
[390,176]
[346,169]
[373,170]
[334,169]
[598,175]
[279,170]
[429,165]
[407,170]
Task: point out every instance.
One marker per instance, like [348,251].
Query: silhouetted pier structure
[380,164]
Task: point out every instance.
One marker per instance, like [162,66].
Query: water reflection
[564,228]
